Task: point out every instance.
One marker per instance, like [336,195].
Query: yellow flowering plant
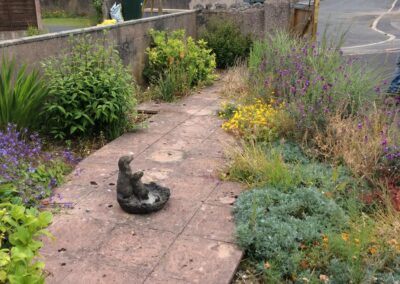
[107,22]
[257,121]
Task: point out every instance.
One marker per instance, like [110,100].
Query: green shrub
[91,91]
[22,94]
[19,230]
[273,226]
[175,50]
[98,7]
[227,41]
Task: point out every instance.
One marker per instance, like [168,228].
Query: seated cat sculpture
[134,196]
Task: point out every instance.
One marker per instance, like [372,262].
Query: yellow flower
[107,22]
[345,236]
[357,241]
[253,119]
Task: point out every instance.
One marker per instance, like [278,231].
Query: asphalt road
[371,28]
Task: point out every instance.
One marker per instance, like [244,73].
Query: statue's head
[124,162]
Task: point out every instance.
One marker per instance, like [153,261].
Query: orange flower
[345,236]
[373,250]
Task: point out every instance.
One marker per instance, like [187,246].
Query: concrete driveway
[372,29]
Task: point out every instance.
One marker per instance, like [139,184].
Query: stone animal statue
[128,182]
[135,197]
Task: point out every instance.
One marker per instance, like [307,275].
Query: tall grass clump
[252,166]
[314,80]
[177,63]
[22,94]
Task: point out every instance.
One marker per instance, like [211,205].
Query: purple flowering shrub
[390,141]
[29,172]
[315,81]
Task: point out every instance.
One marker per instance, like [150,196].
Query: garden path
[189,241]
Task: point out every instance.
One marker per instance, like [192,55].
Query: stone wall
[130,37]
[257,19]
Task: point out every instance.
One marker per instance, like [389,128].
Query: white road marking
[375,28]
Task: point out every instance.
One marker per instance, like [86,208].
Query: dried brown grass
[235,83]
[356,142]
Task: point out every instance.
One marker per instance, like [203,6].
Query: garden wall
[257,19]
[131,38]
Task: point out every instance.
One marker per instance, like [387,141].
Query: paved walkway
[189,241]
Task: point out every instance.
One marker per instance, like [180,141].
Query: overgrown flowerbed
[27,176]
[320,155]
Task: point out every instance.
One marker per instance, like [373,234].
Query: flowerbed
[27,176]
[320,156]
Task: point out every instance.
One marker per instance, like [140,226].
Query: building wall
[258,20]
[251,21]
[131,38]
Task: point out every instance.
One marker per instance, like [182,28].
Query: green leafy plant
[19,229]
[226,40]
[98,7]
[22,94]
[175,50]
[90,91]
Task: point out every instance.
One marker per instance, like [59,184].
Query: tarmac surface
[371,27]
